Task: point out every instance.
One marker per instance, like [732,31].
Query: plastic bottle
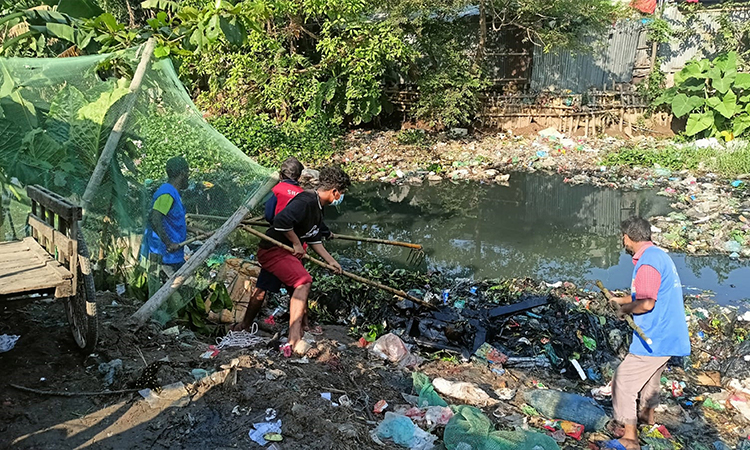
[565,406]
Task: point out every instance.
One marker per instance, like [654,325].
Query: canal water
[537,226]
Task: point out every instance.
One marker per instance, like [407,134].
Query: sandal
[304,349]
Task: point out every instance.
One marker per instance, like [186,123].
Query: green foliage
[653,86]
[215,298]
[713,96]
[312,141]
[555,24]
[417,138]
[659,30]
[727,163]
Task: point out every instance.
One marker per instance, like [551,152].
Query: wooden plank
[55,203]
[31,280]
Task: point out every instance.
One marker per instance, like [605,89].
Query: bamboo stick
[355,277]
[628,317]
[378,241]
[114,137]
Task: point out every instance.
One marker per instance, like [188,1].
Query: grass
[728,163]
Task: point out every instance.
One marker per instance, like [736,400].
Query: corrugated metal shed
[611,61]
[704,27]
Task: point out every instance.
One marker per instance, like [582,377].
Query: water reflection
[537,226]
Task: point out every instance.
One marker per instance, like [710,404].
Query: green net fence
[55,117]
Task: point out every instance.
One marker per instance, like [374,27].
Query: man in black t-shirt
[300,221]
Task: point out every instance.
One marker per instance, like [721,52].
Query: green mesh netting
[55,117]
[469,428]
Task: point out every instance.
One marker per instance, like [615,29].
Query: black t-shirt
[304,215]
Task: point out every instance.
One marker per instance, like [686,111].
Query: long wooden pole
[114,137]
[628,317]
[354,277]
[379,241]
[178,279]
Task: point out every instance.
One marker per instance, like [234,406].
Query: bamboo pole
[378,241]
[114,137]
[354,277]
[178,279]
[628,317]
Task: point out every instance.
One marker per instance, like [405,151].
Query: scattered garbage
[566,406]
[7,342]
[402,431]
[467,392]
[110,370]
[262,431]
[172,331]
[392,348]
[379,407]
[171,395]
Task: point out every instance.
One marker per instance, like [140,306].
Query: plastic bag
[426,391]
[402,431]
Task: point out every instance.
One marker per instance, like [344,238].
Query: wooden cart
[54,260]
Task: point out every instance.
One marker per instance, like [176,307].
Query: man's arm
[638,307]
[320,250]
[157,224]
[296,244]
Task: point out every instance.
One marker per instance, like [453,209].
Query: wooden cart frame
[53,257]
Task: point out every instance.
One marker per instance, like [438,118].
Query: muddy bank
[218,411]
[711,211]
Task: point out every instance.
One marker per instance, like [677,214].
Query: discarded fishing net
[55,118]
[469,428]
[426,391]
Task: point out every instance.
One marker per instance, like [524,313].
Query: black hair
[637,228]
[291,169]
[333,177]
[176,166]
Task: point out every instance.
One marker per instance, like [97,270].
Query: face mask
[338,201]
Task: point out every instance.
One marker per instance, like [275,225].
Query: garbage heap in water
[547,354]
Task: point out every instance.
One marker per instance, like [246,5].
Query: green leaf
[83,9]
[724,84]
[213,29]
[727,63]
[740,124]
[742,81]
[161,51]
[728,105]
[88,131]
[233,31]
[62,112]
[699,122]
[691,70]
[682,104]
[62,31]
[60,179]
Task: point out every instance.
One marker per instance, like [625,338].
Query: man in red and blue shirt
[657,306]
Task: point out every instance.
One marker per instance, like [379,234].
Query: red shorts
[285,266]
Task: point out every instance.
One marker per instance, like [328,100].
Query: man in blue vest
[657,306]
[167,227]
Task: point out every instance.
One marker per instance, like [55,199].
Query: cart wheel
[81,309]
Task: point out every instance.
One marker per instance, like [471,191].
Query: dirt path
[46,358]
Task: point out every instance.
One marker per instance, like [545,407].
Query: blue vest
[665,324]
[174,225]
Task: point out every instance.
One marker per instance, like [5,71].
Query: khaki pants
[637,376]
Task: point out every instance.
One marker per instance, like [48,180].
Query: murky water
[537,226]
